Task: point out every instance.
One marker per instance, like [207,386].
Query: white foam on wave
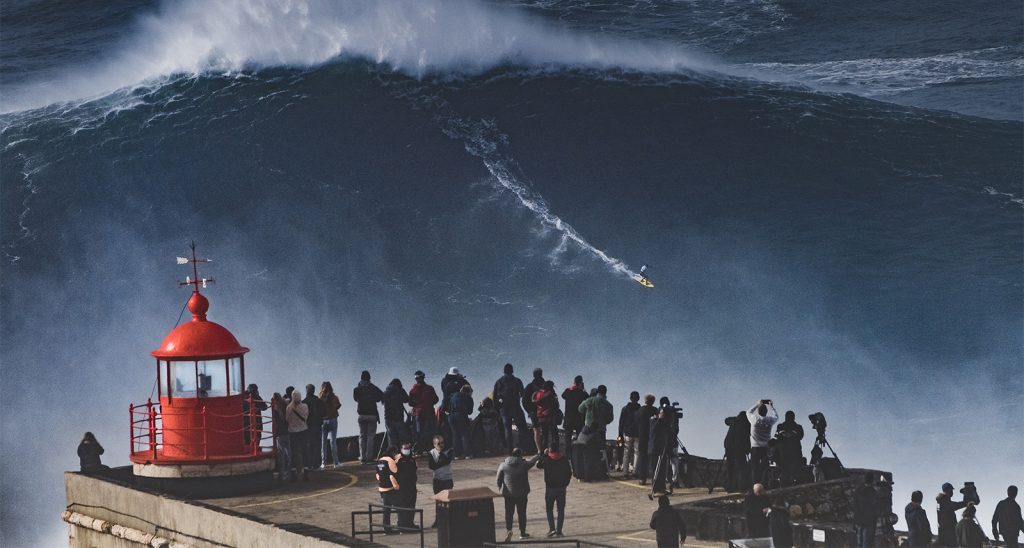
[888,76]
[415,37]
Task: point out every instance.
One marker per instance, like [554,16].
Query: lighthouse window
[212,378]
[236,375]
[184,379]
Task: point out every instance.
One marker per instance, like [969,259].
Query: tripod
[658,471]
[822,442]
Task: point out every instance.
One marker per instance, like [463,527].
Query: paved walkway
[610,513]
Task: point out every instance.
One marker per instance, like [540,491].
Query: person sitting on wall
[89,451]
[756,506]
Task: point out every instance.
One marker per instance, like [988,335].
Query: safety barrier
[148,431]
[379,528]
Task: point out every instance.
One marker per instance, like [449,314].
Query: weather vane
[195,280]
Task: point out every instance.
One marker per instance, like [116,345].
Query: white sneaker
[524,535]
[508,536]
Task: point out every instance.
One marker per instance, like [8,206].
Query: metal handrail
[370,512]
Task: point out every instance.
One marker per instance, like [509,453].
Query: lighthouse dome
[199,339]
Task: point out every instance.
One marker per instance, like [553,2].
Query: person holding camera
[761,424]
[946,512]
[662,444]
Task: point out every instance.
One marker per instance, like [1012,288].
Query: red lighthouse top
[199,339]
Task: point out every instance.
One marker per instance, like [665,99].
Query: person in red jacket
[545,404]
[422,398]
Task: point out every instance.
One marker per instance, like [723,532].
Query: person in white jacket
[761,424]
[296,415]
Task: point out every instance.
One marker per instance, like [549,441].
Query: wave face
[838,253]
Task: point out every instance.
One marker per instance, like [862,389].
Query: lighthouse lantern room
[204,435]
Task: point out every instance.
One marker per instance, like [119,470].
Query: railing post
[254,443]
[205,435]
[131,429]
[151,414]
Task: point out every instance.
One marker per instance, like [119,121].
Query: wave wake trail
[483,140]
[414,37]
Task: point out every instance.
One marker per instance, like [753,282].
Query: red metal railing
[148,433]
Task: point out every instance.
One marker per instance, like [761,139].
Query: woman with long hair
[89,451]
[330,426]
[278,405]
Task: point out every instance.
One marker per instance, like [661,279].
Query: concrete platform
[607,513]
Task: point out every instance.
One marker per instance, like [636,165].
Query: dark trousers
[463,444]
[643,461]
[515,505]
[442,485]
[519,419]
[298,447]
[407,499]
[548,435]
[737,474]
[865,535]
[555,497]
[788,470]
[313,447]
[425,426]
[396,431]
[389,499]
[758,464]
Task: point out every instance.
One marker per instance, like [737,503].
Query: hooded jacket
[451,384]
[513,477]
[628,426]
[946,513]
[737,440]
[366,394]
[557,471]
[395,397]
[573,397]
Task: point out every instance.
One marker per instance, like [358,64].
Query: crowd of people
[571,442]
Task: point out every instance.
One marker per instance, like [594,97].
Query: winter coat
[513,476]
[366,394]
[316,410]
[89,456]
[451,384]
[545,404]
[865,506]
[643,421]
[919,530]
[573,397]
[737,440]
[669,527]
[627,420]
[757,522]
[557,470]
[296,415]
[406,474]
[461,403]
[422,398]
[597,412]
[394,398]
[946,513]
[789,435]
[331,406]
[508,391]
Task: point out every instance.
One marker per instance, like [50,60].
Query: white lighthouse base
[209,479]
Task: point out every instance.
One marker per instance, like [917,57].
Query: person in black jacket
[366,395]
[557,476]
[394,399]
[737,449]
[315,424]
[781,529]
[1007,520]
[573,396]
[89,451]
[629,433]
[790,453]
[669,527]
[755,507]
[643,427]
[946,513]
[459,409]
[865,511]
[406,476]
[919,530]
[508,395]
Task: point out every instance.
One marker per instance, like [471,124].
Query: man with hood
[760,434]
[788,435]
[946,512]
[737,447]
[508,394]
[669,527]
[557,476]
[531,407]
[919,530]
[367,395]
[629,433]
[573,396]
[514,484]
[422,398]
[395,397]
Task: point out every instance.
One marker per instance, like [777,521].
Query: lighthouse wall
[108,512]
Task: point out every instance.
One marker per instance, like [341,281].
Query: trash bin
[465,517]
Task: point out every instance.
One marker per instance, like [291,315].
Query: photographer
[760,433]
[737,449]
[946,513]
[663,448]
[789,452]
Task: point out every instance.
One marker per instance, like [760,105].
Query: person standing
[296,414]
[315,423]
[279,409]
[865,511]
[422,398]
[669,527]
[597,415]
[557,476]
[643,426]
[760,433]
[387,485]
[367,395]
[919,530]
[89,451]
[459,410]
[755,507]
[629,433]
[440,463]
[514,484]
[968,531]
[573,396]
[531,406]
[545,412]
[1006,520]
[790,452]
[737,449]
[508,393]
[946,513]
[451,383]
[252,391]
[331,405]
[395,397]
[780,527]
[407,480]
[489,421]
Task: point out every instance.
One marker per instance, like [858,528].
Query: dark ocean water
[829,197]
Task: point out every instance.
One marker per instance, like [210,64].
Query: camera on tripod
[674,407]
[819,424]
